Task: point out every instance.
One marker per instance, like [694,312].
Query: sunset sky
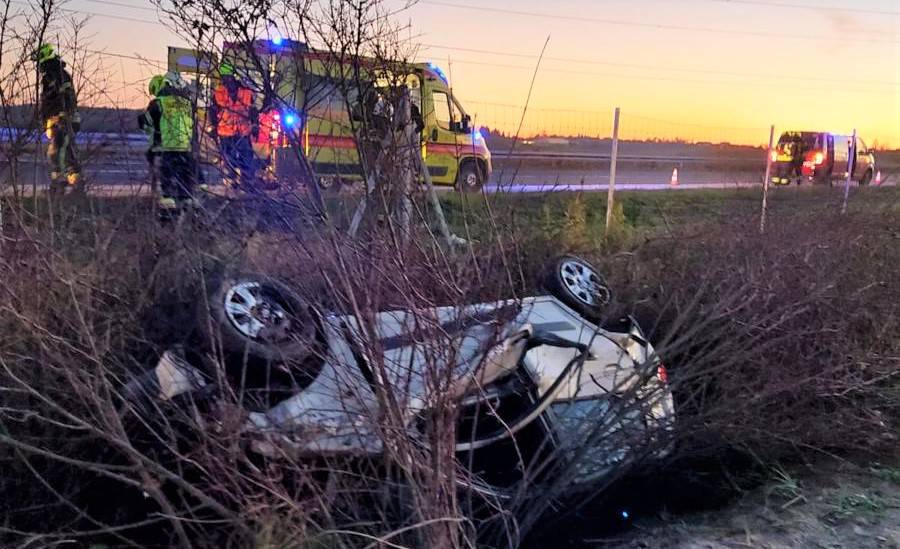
[714,70]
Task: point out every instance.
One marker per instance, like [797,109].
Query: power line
[157,62]
[658,67]
[95,14]
[519,107]
[853,9]
[582,61]
[160,63]
[658,78]
[570,18]
[121,5]
[655,26]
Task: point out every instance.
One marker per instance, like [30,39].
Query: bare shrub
[756,333]
[782,343]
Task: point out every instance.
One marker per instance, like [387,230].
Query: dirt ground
[830,508]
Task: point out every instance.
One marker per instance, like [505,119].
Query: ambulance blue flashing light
[289,119]
[277,40]
[437,70]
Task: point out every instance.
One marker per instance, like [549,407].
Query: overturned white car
[530,380]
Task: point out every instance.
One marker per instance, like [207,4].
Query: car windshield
[793,143]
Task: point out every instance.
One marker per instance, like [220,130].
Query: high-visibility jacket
[233,114]
[176,124]
[269,128]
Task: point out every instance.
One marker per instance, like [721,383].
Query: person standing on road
[59,115]
[171,115]
[145,122]
[232,118]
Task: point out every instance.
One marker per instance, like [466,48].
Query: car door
[441,147]
[841,156]
[862,159]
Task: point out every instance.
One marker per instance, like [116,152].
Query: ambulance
[318,100]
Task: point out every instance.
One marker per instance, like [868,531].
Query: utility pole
[610,197]
[765,202]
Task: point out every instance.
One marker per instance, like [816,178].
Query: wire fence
[537,123]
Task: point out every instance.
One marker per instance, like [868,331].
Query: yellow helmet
[226,69]
[45,52]
[156,84]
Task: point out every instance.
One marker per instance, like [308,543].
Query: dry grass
[783,345]
[832,506]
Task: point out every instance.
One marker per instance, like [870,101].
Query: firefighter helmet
[156,84]
[45,52]
[173,78]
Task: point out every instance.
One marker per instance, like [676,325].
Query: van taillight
[661,373]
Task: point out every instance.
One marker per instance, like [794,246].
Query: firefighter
[58,112]
[232,117]
[171,116]
[145,122]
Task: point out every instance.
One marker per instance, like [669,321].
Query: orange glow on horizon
[697,70]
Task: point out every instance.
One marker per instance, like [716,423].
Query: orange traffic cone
[674,181]
[878,178]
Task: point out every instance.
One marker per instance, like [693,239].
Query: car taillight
[661,373]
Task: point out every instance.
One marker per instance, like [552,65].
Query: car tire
[253,318]
[470,178]
[866,178]
[579,285]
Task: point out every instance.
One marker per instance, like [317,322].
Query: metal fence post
[851,165]
[610,197]
[765,200]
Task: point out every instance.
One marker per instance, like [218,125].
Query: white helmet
[174,79]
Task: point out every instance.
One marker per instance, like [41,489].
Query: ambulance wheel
[470,177]
[579,285]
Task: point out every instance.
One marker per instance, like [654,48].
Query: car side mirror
[466,121]
[434,134]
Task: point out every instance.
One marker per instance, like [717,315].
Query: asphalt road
[118,160]
[134,171]
[128,172]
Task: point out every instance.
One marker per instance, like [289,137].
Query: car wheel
[470,178]
[254,318]
[866,178]
[579,285]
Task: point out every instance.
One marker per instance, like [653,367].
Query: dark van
[820,157]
